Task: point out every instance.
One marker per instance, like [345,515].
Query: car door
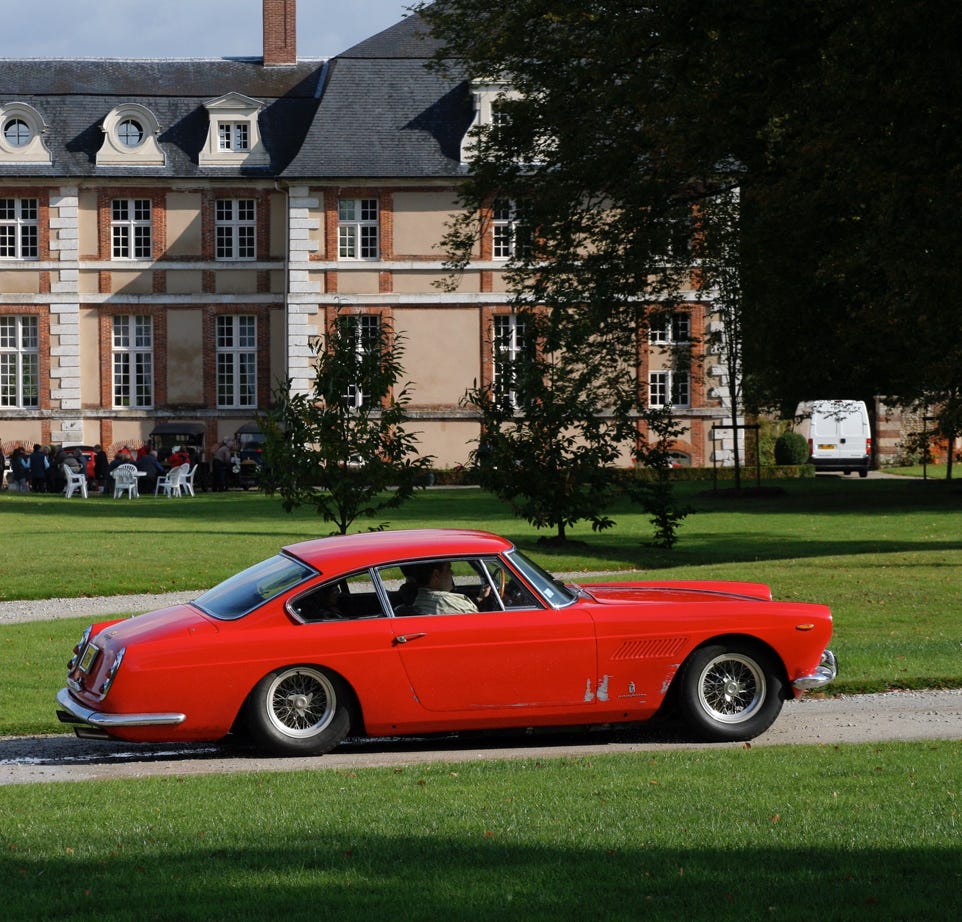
[531,657]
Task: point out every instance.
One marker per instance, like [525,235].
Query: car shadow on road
[65,750]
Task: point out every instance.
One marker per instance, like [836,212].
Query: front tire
[299,710]
[731,692]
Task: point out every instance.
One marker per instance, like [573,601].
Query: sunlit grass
[868,831]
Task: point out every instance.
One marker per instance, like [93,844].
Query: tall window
[234,136]
[669,388]
[508,352]
[236,360]
[19,361]
[363,334]
[510,238]
[130,228]
[357,228]
[19,228]
[133,361]
[236,228]
[670,328]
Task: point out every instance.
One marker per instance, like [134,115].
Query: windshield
[551,589]
[250,588]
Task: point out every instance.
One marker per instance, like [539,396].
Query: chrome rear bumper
[75,713]
[824,673]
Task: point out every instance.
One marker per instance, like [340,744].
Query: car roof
[348,552]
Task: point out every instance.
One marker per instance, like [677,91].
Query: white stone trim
[113,152]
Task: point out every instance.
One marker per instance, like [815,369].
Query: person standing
[101,467]
[221,466]
[38,470]
[19,471]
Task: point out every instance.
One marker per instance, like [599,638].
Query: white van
[839,435]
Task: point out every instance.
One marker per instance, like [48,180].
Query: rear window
[242,593]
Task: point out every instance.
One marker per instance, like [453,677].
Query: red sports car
[413,632]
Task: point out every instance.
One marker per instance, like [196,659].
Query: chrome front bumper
[824,673]
[75,713]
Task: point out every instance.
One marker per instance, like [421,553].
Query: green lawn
[834,832]
[839,832]
[884,554]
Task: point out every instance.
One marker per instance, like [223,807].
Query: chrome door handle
[404,638]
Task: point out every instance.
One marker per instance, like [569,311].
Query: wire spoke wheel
[732,688]
[302,702]
[731,691]
[299,710]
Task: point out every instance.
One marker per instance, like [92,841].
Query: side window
[454,586]
[510,590]
[348,599]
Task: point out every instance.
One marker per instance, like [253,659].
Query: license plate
[88,658]
[827,447]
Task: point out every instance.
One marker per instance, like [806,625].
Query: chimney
[280,32]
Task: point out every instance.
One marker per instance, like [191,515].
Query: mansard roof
[383,114]
[74,97]
[374,111]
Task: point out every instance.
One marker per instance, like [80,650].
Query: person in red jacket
[177,457]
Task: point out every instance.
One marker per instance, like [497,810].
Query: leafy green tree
[554,424]
[600,224]
[655,494]
[844,117]
[344,448]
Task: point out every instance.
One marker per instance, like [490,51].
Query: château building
[174,233]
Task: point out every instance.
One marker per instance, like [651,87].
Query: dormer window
[234,137]
[130,132]
[488,113]
[21,135]
[130,138]
[17,133]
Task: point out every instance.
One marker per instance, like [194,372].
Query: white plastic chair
[76,480]
[187,487]
[172,481]
[125,481]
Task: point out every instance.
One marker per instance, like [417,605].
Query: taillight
[79,648]
[868,446]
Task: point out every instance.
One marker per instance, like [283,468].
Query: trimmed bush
[791,448]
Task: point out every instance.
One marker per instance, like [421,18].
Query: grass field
[840,832]
[835,833]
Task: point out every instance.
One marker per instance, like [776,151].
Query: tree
[593,209]
[656,494]
[554,423]
[344,448]
[844,117]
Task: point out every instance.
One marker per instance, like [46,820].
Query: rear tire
[299,710]
[731,691]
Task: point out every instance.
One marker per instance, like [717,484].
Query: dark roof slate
[375,111]
[383,114]
[74,96]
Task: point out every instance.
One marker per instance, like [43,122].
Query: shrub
[791,448]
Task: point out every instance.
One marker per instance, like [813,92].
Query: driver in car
[436,595]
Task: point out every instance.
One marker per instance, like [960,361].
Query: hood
[680,591]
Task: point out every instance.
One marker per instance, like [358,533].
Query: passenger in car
[436,595]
